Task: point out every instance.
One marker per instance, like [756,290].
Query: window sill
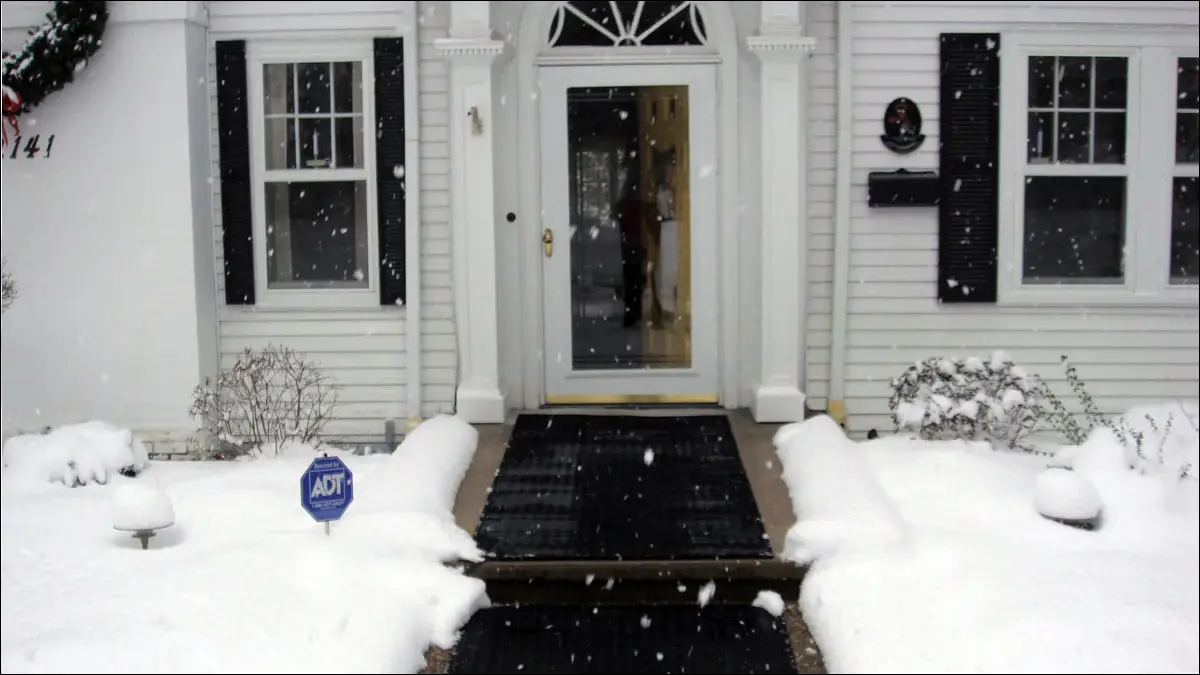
[1027,296]
[317,300]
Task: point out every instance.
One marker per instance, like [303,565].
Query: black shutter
[389,164]
[237,222]
[968,212]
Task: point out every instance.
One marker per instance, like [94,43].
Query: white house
[214,184]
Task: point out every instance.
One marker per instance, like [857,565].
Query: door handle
[548,242]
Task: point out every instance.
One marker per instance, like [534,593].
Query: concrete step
[603,591]
[649,570]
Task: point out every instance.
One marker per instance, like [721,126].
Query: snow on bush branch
[947,397]
[269,398]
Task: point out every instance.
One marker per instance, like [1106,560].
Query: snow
[244,581]
[930,556]
[1067,495]
[770,601]
[707,591]
[76,454]
[137,506]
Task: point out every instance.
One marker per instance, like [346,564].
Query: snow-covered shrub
[1153,436]
[269,399]
[75,455]
[966,399]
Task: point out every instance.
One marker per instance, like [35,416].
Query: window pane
[349,142]
[1108,139]
[1111,82]
[1075,82]
[1074,142]
[1188,84]
[1074,230]
[316,142]
[279,143]
[1041,138]
[347,87]
[1187,138]
[279,94]
[313,88]
[1041,82]
[1185,232]
[317,234]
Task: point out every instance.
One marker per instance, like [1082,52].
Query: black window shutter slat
[968,210]
[237,220]
[390,167]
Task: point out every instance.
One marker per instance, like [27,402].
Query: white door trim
[531,42]
[701,380]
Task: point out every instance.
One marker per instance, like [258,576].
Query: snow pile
[73,455]
[431,462]
[1066,495]
[244,581]
[770,601]
[138,506]
[844,506]
[931,556]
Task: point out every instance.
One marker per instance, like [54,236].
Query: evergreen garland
[53,53]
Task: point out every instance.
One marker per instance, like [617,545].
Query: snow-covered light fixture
[142,510]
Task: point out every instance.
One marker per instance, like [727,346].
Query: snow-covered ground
[932,556]
[243,580]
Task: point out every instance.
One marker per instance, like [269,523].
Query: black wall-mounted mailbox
[902,188]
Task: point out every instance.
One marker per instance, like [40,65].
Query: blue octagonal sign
[326,489]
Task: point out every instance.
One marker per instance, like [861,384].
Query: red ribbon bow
[12,106]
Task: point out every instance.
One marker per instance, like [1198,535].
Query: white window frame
[259,54]
[1150,166]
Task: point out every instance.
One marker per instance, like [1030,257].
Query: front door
[629,218]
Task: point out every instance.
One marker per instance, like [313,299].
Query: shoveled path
[640,616]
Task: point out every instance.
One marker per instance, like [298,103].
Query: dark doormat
[663,639]
[615,487]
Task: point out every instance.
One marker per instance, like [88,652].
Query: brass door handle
[548,242]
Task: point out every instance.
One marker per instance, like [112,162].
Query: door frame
[699,382]
[531,54]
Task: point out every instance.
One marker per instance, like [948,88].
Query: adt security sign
[326,489]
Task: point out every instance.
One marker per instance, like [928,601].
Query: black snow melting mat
[660,639]
[615,487]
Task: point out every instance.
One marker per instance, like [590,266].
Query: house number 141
[32,147]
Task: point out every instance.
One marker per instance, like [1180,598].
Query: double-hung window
[1099,203]
[312,161]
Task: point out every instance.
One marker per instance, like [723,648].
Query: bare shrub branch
[271,397]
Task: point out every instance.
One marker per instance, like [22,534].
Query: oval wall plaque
[902,126]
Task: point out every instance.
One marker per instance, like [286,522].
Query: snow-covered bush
[75,455]
[269,399]
[966,399]
[1153,436]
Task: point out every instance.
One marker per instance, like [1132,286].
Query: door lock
[548,242]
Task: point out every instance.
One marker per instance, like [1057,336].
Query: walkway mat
[616,487]
[664,639]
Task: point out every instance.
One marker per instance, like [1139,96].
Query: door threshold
[632,399]
[651,410]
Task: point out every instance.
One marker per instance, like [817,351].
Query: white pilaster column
[472,54]
[783,53]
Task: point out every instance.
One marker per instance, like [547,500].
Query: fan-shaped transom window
[627,24]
